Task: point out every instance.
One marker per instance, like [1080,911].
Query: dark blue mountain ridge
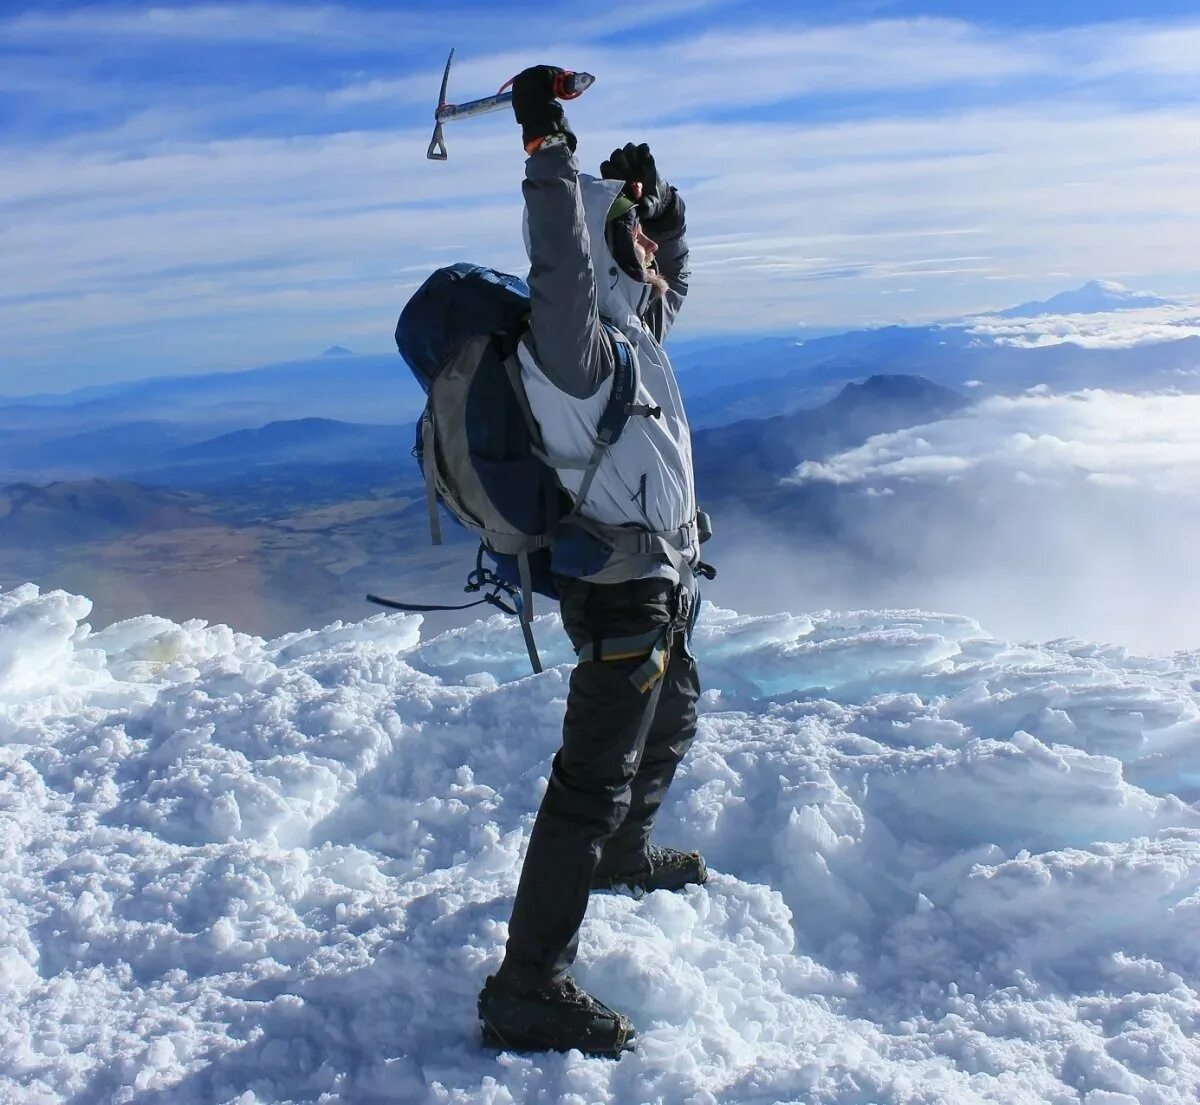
[346,386]
[951,356]
[306,439]
[891,392]
[97,451]
[92,510]
[782,442]
[752,456]
[723,379]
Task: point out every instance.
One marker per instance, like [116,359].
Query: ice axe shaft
[566,87]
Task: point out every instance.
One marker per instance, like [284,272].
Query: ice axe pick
[567,86]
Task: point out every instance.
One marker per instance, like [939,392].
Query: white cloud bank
[1041,515]
[1107,330]
[1149,441]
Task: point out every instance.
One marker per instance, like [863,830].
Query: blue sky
[189,187]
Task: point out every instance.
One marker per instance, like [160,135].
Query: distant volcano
[1095,296]
[337,351]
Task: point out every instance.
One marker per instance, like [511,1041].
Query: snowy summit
[1094,297]
[945,868]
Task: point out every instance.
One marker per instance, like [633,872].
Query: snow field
[946,868]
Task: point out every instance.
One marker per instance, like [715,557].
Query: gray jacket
[645,479]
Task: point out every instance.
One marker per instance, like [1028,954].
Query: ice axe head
[567,86]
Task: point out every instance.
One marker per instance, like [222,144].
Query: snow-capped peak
[1094,296]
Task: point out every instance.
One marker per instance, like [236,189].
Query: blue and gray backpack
[478,445]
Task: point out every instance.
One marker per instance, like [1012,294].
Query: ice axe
[567,86]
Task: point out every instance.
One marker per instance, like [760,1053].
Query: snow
[947,868]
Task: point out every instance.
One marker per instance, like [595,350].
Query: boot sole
[639,890]
[517,1042]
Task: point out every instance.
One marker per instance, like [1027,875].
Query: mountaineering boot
[556,1017]
[658,869]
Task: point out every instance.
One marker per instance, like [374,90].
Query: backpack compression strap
[525,610]
[429,464]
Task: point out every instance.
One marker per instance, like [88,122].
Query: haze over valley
[943,466]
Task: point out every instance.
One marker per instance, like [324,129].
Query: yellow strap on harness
[654,645]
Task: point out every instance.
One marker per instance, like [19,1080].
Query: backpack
[477,443]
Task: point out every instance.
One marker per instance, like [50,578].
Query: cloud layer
[1044,515]
[1147,441]
[211,186]
[1108,330]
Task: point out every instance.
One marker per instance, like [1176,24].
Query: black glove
[536,108]
[636,164]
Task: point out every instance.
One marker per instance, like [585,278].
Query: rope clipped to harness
[482,576]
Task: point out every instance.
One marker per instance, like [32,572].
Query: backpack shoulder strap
[616,412]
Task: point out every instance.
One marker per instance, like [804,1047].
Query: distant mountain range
[101,450]
[297,413]
[275,498]
[181,453]
[754,454]
[723,383]
[338,385]
[70,512]
[791,375]
[312,451]
[307,515]
[301,441]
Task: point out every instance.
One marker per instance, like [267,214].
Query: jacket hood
[618,295]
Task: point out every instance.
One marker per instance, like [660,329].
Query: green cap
[620,206]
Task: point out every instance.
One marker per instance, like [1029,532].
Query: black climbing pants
[621,746]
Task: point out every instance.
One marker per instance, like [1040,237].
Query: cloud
[1106,330]
[195,23]
[806,237]
[929,157]
[1098,558]
[1113,439]
[336,27]
[1041,516]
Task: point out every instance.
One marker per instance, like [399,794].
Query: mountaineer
[608,275]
